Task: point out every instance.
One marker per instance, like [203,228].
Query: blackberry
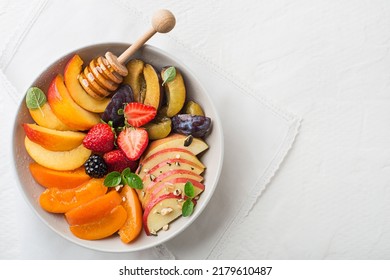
[95,166]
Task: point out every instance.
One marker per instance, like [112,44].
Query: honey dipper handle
[163,21]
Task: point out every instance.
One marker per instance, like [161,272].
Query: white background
[329,62]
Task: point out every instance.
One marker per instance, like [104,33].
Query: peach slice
[72,70]
[175,92]
[135,79]
[54,140]
[153,94]
[93,210]
[50,178]
[46,118]
[65,160]
[66,109]
[102,228]
[133,225]
[57,200]
[176,141]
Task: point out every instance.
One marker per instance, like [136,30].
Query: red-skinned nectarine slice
[66,109]
[54,140]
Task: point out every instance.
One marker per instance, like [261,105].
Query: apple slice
[153,94]
[66,160]
[150,181]
[167,166]
[66,109]
[175,92]
[54,140]
[153,219]
[135,79]
[167,154]
[46,118]
[72,70]
[175,186]
[196,146]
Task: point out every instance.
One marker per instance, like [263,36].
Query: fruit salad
[117,155]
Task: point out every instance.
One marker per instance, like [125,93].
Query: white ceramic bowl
[213,158]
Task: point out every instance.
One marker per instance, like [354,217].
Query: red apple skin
[175,140]
[199,169]
[178,181]
[177,150]
[199,188]
[170,173]
[150,207]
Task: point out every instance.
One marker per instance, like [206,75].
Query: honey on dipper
[104,74]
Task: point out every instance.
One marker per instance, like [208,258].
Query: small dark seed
[188,140]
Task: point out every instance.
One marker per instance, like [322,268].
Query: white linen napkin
[257,133]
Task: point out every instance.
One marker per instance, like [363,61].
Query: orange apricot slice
[133,225]
[50,178]
[57,200]
[104,227]
[93,210]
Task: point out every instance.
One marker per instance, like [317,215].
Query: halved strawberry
[138,114]
[133,142]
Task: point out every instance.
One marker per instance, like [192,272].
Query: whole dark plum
[123,95]
[187,124]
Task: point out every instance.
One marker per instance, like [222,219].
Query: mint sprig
[127,177]
[188,205]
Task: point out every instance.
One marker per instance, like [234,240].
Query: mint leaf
[188,208]
[113,179]
[35,98]
[131,179]
[126,172]
[134,181]
[169,74]
[189,189]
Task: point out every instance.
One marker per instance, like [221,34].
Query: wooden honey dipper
[104,74]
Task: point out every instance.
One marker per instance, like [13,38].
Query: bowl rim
[193,217]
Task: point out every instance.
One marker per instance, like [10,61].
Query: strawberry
[116,160]
[100,138]
[133,142]
[138,114]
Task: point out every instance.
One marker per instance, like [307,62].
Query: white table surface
[328,62]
